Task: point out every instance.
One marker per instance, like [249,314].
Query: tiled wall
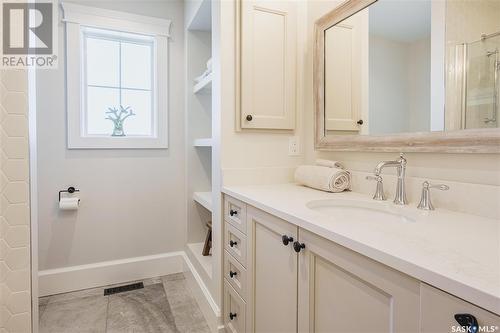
[15,276]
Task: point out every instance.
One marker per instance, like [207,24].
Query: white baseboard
[202,296]
[204,289]
[67,279]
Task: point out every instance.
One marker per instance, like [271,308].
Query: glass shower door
[482,83]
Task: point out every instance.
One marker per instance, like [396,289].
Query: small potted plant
[118,117]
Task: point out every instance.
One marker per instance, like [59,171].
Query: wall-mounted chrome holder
[70,190]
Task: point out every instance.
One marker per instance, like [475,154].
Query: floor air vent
[121,289]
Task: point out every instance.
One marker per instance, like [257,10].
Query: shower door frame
[462,55]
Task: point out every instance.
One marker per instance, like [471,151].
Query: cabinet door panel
[343,291]
[273,271]
[235,242]
[268,64]
[234,310]
[439,310]
[346,68]
[337,293]
[235,213]
[235,274]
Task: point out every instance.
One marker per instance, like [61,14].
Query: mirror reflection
[386,67]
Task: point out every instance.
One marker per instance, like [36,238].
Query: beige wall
[467,20]
[250,156]
[389,107]
[133,202]
[15,273]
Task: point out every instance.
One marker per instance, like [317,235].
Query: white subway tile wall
[15,276]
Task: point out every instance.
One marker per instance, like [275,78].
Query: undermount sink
[360,210]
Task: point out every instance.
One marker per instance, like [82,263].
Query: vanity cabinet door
[343,291]
[268,64]
[439,310]
[346,70]
[234,310]
[272,270]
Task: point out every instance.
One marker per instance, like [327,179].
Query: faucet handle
[402,159]
[425,200]
[379,191]
[441,187]
[377,178]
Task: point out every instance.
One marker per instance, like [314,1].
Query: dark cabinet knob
[298,246]
[286,239]
[468,321]
[249,117]
[232,315]
[232,274]
[232,243]
[233,212]
[360,122]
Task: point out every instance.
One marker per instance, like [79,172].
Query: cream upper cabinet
[343,291]
[273,274]
[346,69]
[268,46]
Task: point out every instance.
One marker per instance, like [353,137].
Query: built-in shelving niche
[205,142]
[199,134]
[204,86]
[204,199]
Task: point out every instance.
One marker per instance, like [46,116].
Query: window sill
[118,143]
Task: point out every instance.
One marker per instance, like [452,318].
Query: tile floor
[164,305]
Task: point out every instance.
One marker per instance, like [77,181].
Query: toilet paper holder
[70,189]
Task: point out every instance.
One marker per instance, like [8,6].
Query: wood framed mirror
[408,76]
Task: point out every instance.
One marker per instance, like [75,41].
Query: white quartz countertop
[455,252]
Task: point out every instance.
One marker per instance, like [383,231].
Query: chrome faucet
[400,165]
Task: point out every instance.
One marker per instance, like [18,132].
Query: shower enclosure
[481,82]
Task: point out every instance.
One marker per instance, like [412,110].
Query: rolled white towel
[323,178]
[329,164]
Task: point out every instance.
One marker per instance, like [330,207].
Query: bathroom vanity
[302,260]
[298,259]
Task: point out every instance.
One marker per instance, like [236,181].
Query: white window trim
[76,16]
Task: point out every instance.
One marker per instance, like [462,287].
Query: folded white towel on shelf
[327,179]
[202,76]
[207,72]
[329,164]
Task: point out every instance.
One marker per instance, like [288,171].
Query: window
[117,79]
[118,83]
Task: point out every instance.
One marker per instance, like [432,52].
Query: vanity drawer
[235,212]
[234,310]
[438,310]
[235,274]
[235,243]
